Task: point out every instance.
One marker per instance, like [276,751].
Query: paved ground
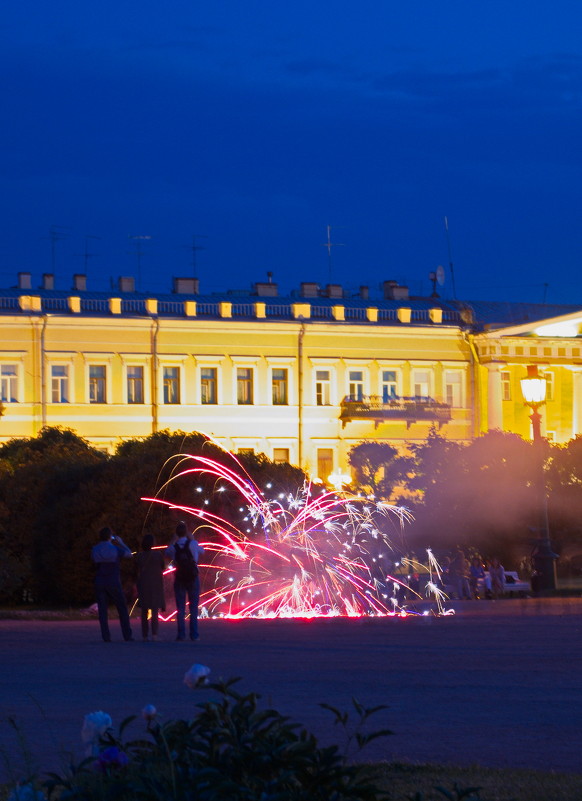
[499,683]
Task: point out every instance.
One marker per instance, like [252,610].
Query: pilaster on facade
[301,310]
[494,395]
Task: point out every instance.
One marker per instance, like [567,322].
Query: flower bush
[232,750]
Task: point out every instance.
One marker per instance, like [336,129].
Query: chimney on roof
[334,291]
[126,283]
[185,286]
[24,280]
[79,282]
[309,290]
[393,291]
[364,292]
[266,290]
[48,281]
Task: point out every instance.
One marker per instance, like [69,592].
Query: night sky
[253,125]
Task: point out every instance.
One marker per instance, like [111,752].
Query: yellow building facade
[301,379]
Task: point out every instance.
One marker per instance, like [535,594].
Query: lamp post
[533,389]
[338,480]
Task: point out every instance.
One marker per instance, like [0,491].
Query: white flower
[25,792]
[95,724]
[197,676]
[149,712]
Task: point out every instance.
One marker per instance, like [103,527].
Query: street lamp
[533,389]
[339,480]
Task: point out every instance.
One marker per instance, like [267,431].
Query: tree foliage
[56,492]
[378,467]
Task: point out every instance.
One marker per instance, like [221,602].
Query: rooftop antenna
[194,248]
[450,258]
[86,254]
[329,245]
[437,277]
[545,292]
[138,239]
[56,233]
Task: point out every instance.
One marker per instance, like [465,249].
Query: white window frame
[105,378]
[217,363]
[10,380]
[460,374]
[397,382]
[282,448]
[550,384]
[202,368]
[252,379]
[127,368]
[172,360]
[136,360]
[506,388]
[98,360]
[282,363]
[272,369]
[68,378]
[246,363]
[180,378]
[414,381]
[354,382]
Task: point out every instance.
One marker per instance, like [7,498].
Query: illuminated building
[301,378]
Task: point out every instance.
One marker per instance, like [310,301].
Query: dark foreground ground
[498,684]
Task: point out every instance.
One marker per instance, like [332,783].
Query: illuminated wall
[271,385]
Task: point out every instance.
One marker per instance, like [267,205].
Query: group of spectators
[473,579]
[183,550]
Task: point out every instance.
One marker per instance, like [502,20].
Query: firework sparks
[310,554]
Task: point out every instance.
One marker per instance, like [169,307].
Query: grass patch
[404,781]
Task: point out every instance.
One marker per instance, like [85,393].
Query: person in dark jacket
[150,585]
[187,583]
[106,556]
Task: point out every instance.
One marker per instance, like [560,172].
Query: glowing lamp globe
[533,387]
[339,479]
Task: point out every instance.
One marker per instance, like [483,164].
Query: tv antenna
[86,254]
[138,239]
[450,257]
[56,233]
[195,248]
[329,245]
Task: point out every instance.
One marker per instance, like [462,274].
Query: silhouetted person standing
[150,585]
[185,552]
[106,556]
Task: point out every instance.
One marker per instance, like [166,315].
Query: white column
[576,403]
[494,407]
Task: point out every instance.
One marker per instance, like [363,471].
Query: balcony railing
[410,410]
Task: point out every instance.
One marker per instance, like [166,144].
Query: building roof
[475,315]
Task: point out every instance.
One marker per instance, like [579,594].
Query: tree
[379,467]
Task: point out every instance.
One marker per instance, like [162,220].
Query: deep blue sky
[256,124]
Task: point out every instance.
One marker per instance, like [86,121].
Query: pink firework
[310,554]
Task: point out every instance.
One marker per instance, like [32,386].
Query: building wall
[35,344]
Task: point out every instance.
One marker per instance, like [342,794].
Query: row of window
[324,385]
[506,385]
